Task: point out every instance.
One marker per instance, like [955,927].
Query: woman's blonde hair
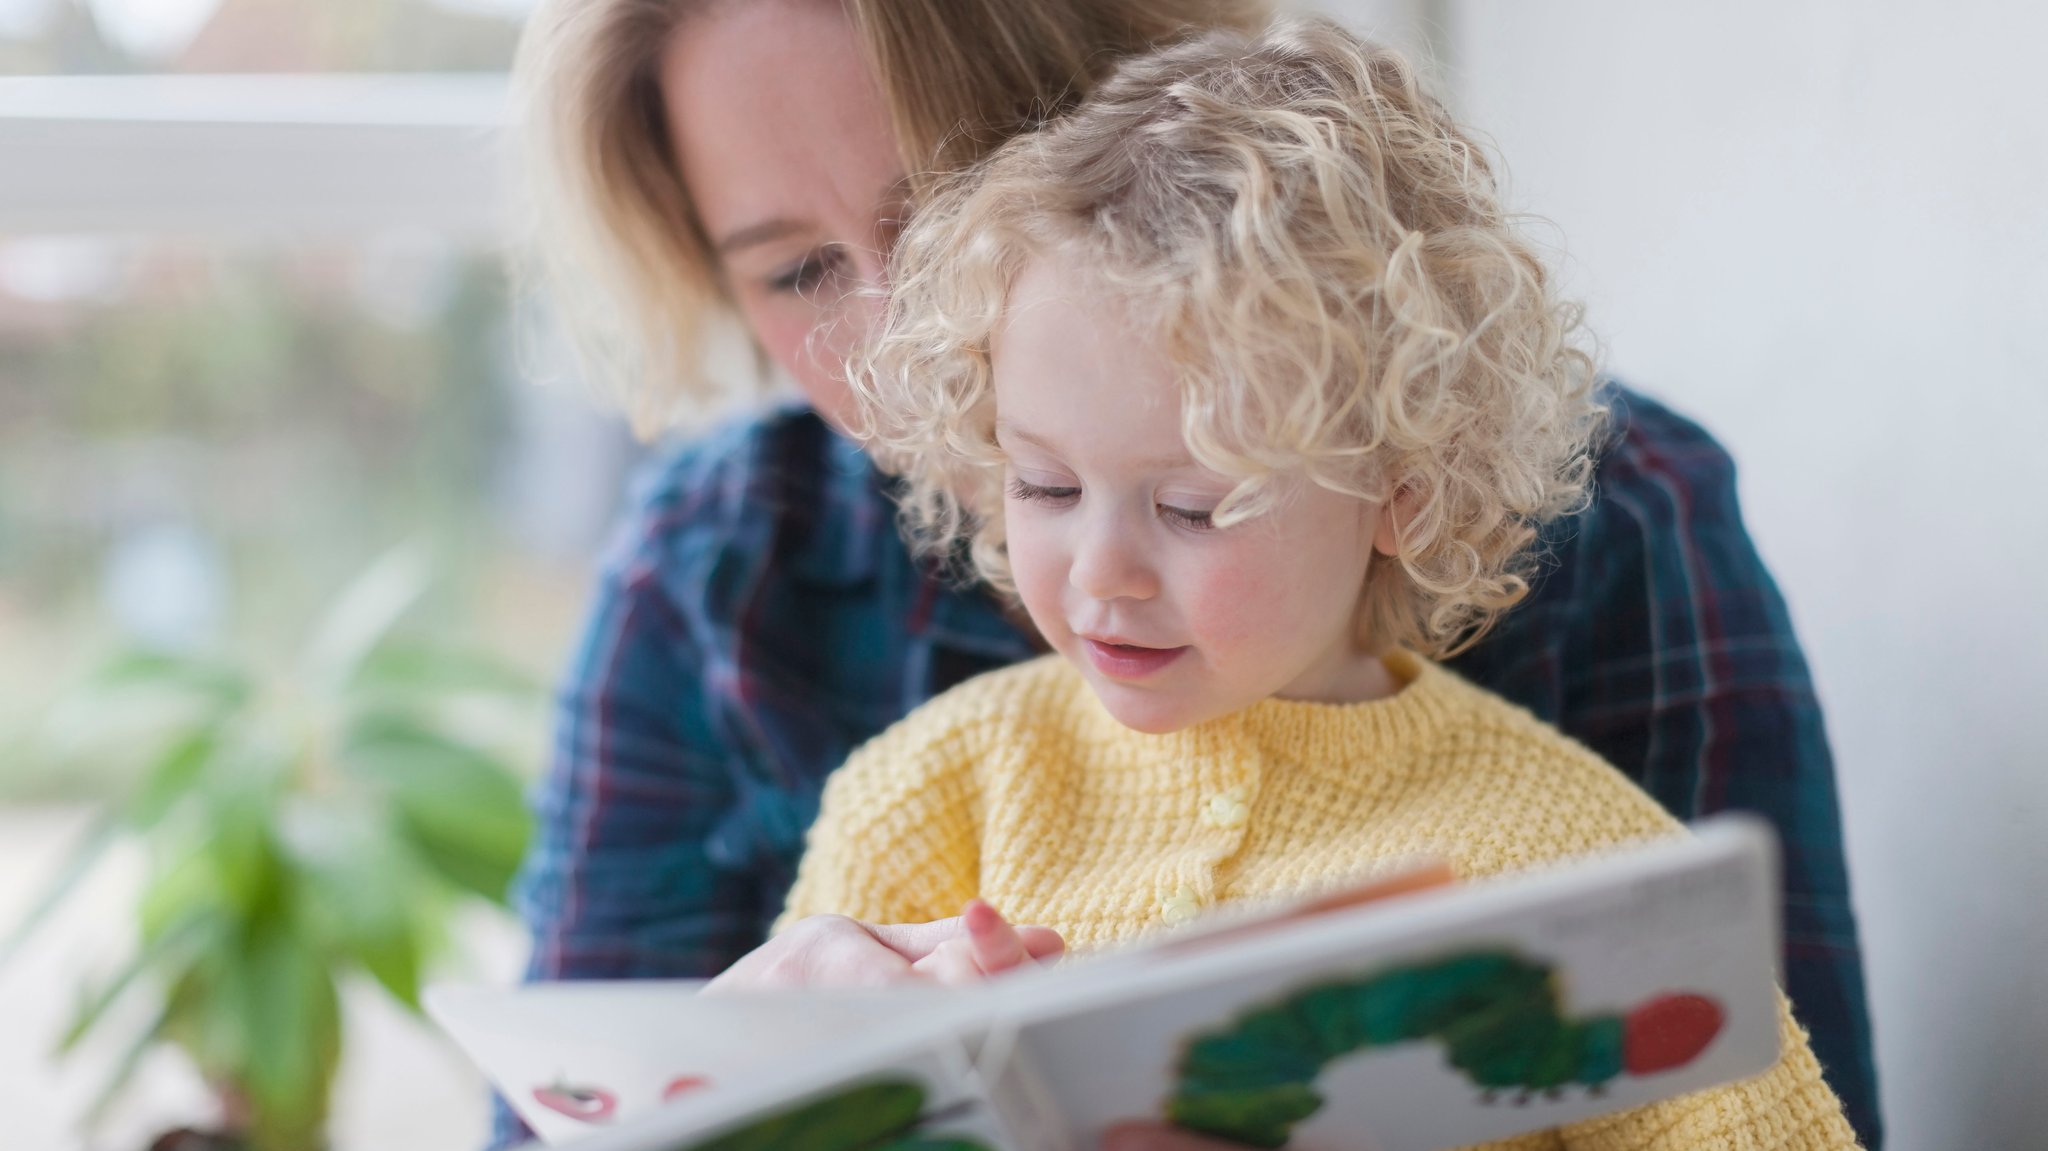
[612,232]
[1322,255]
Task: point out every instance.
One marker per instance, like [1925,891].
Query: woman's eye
[1187,518]
[805,276]
[1041,494]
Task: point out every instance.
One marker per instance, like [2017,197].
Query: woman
[699,161]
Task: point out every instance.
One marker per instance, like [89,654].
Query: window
[255,329]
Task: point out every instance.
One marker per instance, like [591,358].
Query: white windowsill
[252,155]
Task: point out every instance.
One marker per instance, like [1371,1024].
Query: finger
[1042,943]
[855,963]
[914,941]
[834,951]
[951,963]
[820,951]
[996,945]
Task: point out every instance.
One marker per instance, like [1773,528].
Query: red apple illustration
[587,1104]
[683,1085]
[1667,1032]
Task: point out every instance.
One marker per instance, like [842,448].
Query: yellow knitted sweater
[1019,788]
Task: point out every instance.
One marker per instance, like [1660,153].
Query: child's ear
[1395,515]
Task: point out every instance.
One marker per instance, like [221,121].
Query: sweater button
[1227,810]
[1179,907]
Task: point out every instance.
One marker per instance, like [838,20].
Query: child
[1238,379]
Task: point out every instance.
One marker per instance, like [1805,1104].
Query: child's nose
[1110,562]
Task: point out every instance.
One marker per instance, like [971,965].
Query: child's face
[1172,621]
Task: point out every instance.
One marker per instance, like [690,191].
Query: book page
[907,1086]
[572,1058]
[1440,1019]
[1506,1006]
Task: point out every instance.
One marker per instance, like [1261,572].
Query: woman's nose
[1110,562]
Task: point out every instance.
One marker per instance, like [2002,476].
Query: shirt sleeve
[1658,638]
[619,882]
[897,837]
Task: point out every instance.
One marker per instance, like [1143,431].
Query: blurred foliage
[295,405]
[301,825]
[220,344]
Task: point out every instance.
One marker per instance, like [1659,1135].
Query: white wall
[1822,230]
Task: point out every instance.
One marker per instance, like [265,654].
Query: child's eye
[1198,521]
[1040,494]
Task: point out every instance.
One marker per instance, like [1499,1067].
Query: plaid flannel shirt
[757,618]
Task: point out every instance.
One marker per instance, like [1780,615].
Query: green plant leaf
[365,612]
[154,670]
[298,829]
[393,954]
[242,852]
[184,886]
[366,896]
[508,732]
[465,698]
[411,670]
[173,774]
[203,1014]
[463,811]
[125,714]
[291,1014]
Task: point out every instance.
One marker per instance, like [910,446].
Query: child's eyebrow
[1005,430]
[1009,431]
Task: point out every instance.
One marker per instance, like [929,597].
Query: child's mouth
[1128,660]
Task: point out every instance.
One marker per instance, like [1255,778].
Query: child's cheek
[1039,572]
[1236,603]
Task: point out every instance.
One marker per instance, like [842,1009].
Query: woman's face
[787,152]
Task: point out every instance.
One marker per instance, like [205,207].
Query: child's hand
[835,951]
[989,946]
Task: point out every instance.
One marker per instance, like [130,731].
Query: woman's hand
[835,951]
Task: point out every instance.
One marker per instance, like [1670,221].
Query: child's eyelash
[1040,493]
[1037,493]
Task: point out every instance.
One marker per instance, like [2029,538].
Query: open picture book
[1437,1018]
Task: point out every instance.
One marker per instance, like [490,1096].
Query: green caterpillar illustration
[880,1115]
[1495,1013]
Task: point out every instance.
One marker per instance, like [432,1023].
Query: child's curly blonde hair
[1321,253]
